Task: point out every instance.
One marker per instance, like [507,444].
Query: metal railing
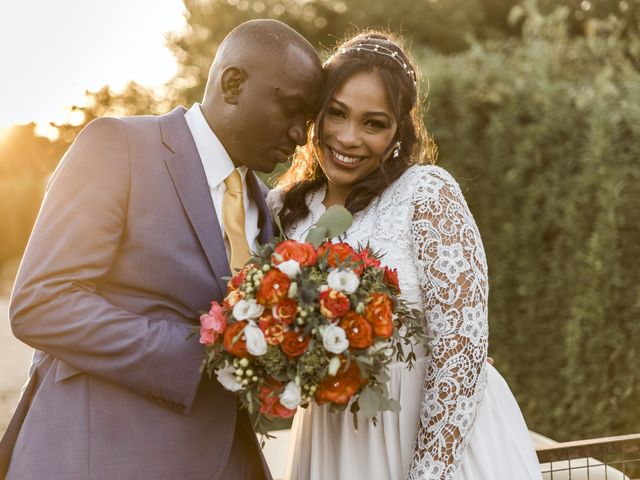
[611,458]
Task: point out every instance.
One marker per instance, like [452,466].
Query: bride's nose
[349,136]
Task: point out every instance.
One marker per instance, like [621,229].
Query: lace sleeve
[453,278]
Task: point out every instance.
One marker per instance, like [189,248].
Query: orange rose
[358,329]
[333,304]
[285,311]
[340,388]
[270,405]
[274,287]
[273,329]
[391,278]
[303,253]
[233,297]
[294,344]
[338,253]
[379,312]
[239,346]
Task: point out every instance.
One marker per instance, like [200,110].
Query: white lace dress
[459,419]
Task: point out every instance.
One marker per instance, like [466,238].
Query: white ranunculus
[334,339]
[246,309]
[334,365]
[227,377]
[290,268]
[343,280]
[256,343]
[291,396]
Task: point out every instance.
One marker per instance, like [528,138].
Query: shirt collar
[215,159]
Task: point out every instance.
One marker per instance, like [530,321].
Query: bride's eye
[376,124]
[335,112]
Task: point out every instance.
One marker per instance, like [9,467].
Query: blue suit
[125,252]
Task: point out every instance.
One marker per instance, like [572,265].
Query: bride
[370,152]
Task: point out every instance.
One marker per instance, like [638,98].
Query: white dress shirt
[218,166]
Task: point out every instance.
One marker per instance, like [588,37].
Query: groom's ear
[231,84]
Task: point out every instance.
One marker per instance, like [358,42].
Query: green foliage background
[536,111]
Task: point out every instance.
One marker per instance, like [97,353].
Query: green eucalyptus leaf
[392,405]
[336,220]
[369,402]
[316,236]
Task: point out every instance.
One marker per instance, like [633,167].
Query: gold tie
[233,218]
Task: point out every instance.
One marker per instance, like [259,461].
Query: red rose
[294,344]
[285,311]
[368,260]
[338,253]
[270,405]
[273,329]
[340,388]
[239,277]
[379,312]
[303,253]
[391,278]
[358,329]
[274,287]
[333,304]
[236,346]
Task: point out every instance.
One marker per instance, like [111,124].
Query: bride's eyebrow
[367,114]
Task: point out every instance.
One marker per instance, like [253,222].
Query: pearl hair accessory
[382,50]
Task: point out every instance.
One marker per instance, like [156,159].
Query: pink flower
[207,336]
[212,324]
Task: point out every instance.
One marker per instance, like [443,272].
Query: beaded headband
[382,50]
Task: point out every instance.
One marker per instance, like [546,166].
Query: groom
[134,238]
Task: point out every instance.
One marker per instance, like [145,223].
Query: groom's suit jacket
[125,252]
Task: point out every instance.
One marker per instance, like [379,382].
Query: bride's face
[357,129]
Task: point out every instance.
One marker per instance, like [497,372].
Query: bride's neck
[335,195]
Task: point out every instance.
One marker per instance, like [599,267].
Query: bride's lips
[334,158]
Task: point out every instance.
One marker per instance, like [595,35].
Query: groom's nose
[298,131]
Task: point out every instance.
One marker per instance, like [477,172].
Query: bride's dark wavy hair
[305,174]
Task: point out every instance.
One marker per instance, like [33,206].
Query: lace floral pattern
[424,228]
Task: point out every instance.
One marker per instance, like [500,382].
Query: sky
[52,51]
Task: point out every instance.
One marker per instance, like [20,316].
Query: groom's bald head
[262,87]
[260,38]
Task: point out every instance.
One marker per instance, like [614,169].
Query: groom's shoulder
[131,125]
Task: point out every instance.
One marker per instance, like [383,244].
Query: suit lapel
[258,192]
[187,173]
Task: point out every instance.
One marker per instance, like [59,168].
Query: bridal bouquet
[310,322]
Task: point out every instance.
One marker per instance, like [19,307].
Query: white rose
[343,280]
[290,268]
[227,377]
[293,290]
[246,309]
[334,339]
[256,343]
[334,365]
[291,396]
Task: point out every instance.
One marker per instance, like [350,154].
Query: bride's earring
[396,151]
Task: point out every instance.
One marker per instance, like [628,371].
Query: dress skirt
[326,446]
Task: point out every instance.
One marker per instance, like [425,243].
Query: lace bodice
[422,225]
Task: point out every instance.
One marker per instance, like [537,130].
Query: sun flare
[5,133]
